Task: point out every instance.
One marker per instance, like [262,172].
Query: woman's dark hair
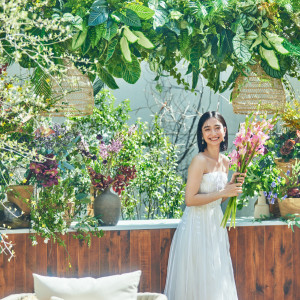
[201,142]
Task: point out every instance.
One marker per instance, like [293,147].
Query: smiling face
[213,132]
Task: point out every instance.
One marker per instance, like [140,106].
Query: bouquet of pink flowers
[249,143]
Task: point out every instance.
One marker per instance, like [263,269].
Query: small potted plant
[290,203]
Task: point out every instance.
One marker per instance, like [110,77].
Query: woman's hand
[237,178]
[232,190]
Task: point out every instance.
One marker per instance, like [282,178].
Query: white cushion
[106,288]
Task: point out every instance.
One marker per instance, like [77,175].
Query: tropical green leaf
[111,31]
[99,13]
[131,18]
[125,49]
[131,72]
[272,72]
[251,35]
[160,18]
[175,14]
[86,45]
[195,78]
[131,37]
[143,41]
[144,12]
[111,49]
[257,42]
[107,78]
[195,55]
[276,42]
[241,50]
[97,85]
[270,57]
[100,31]
[294,50]
[78,39]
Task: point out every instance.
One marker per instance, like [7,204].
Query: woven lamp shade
[258,90]
[74,94]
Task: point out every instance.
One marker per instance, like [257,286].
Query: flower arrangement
[286,143]
[249,142]
[46,172]
[292,188]
[263,175]
[108,168]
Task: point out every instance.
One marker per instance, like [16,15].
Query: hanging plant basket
[256,92]
[73,94]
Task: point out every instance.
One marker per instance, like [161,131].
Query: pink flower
[115,146]
[103,150]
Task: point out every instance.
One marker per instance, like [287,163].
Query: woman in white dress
[200,266]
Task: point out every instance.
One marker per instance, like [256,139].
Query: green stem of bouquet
[232,205]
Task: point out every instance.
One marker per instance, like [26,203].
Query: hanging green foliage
[209,35]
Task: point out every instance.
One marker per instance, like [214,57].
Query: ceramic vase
[107,208]
[261,208]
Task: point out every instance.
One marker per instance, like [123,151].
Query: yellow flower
[9,86]
[11,175]
[59,136]
[24,180]
[48,80]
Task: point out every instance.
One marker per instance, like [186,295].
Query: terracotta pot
[107,208]
[19,194]
[289,206]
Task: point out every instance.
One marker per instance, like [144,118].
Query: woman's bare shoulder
[226,161]
[198,160]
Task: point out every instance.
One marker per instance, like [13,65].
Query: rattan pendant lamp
[73,94]
[258,90]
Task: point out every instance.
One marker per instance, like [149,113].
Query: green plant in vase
[263,176]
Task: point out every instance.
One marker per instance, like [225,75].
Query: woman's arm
[195,174]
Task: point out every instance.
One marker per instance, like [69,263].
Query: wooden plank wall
[266,260]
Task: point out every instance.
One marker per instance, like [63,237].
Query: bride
[199,266]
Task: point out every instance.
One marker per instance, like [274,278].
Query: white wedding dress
[200,266]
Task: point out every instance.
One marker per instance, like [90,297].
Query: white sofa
[141,296]
[115,287]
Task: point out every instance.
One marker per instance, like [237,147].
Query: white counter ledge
[161,223]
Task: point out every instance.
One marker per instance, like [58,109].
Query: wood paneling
[265,260]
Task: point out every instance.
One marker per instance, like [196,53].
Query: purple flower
[272,200]
[288,172]
[104,161]
[284,197]
[278,178]
[273,184]
[99,137]
[265,194]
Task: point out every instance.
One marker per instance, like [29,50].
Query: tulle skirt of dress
[200,266]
